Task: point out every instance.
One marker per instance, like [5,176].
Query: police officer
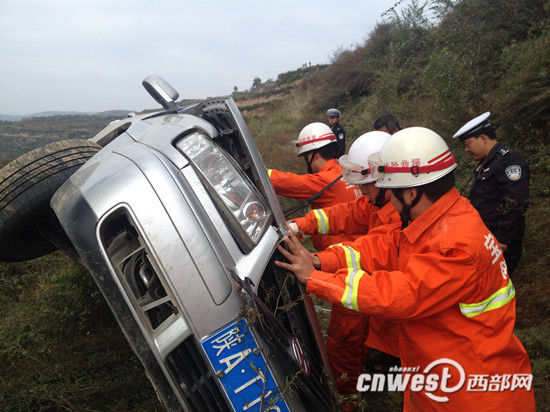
[337,129]
[501,186]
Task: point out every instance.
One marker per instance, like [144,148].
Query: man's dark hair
[489,131]
[330,151]
[486,129]
[441,186]
[388,120]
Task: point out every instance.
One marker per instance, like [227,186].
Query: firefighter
[338,130]
[317,146]
[442,278]
[501,186]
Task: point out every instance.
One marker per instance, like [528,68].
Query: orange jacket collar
[427,219]
[387,213]
[331,164]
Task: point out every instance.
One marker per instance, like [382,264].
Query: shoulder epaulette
[503,150]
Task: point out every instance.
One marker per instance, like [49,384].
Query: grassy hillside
[60,347]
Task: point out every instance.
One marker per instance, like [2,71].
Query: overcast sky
[91,55]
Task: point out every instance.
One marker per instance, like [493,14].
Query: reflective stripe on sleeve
[353,260]
[322,221]
[349,300]
[497,300]
[269,172]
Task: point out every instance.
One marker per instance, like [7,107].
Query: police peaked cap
[474,127]
[333,113]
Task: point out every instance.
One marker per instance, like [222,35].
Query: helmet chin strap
[406,212]
[380,199]
[309,161]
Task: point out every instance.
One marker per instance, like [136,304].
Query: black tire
[26,187]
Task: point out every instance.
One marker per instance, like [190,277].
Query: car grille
[194,378]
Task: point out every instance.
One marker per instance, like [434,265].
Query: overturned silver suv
[174,216]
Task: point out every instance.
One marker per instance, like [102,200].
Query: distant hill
[15,118]
[50,113]
[10,118]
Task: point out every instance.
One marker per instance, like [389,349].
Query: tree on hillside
[256,83]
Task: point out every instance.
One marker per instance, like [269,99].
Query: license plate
[242,370]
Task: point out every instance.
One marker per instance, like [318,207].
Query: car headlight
[229,184]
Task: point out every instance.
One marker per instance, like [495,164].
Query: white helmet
[413,157]
[314,136]
[358,165]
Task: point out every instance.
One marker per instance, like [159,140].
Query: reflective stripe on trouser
[497,300]
[322,221]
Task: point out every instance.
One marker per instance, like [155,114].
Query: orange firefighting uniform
[344,340]
[443,280]
[347,332]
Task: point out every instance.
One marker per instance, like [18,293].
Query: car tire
[26,187]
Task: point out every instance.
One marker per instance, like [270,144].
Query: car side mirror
[161,91]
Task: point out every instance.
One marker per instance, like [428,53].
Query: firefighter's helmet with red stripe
[314,136]
[413,157]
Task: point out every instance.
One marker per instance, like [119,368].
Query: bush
[522,98]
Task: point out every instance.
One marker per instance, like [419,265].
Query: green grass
[60,347]
[536,340]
